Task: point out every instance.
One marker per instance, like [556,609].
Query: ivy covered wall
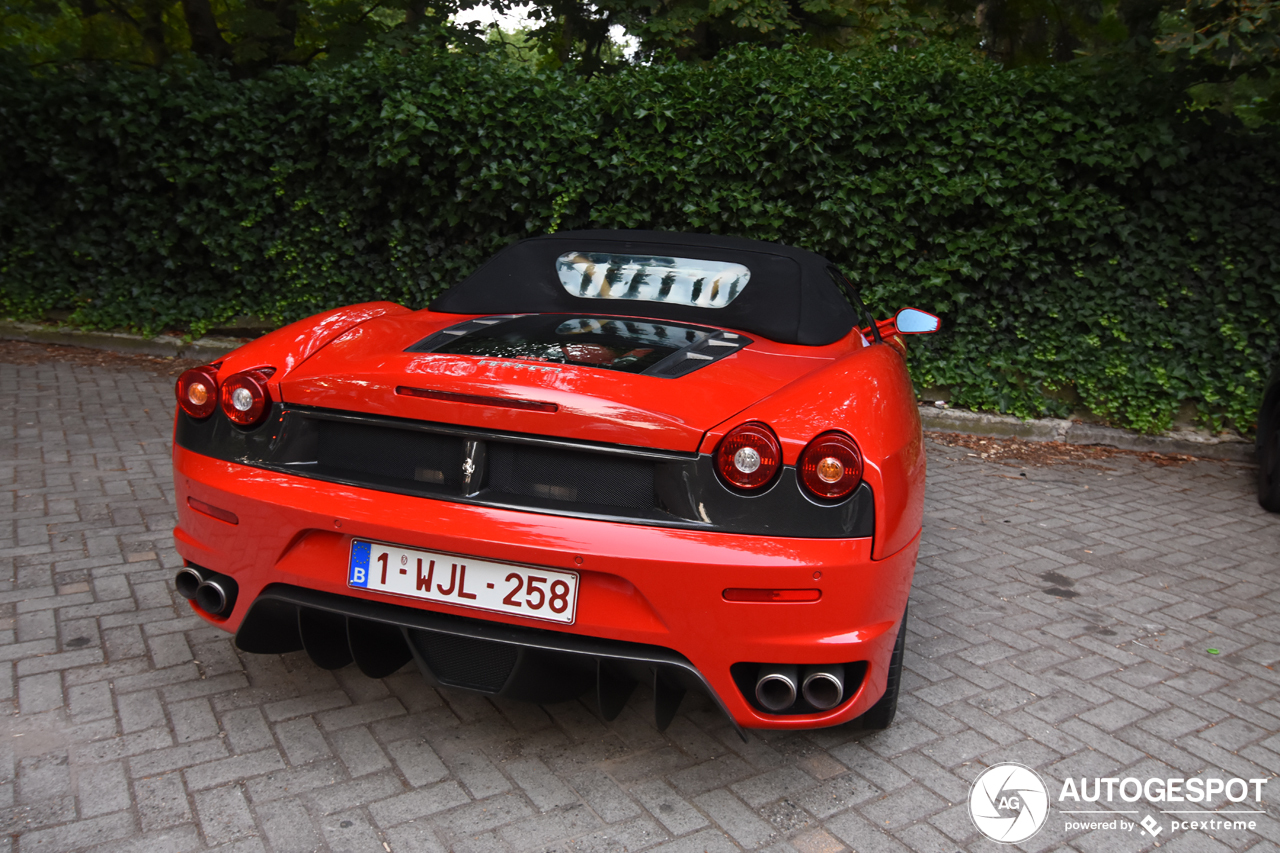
[1085,242]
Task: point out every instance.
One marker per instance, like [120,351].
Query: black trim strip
[482,433]
[570,478]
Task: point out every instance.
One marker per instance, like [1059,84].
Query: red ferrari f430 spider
[605,458]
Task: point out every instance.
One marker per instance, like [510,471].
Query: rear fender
[867,394]
[287,348]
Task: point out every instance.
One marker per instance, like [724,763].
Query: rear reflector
[476,399]
[772,595]
[214,512]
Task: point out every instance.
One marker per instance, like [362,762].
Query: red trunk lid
[361,370]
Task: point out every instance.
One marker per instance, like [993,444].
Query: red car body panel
[639,583]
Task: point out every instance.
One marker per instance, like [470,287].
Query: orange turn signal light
[781,596]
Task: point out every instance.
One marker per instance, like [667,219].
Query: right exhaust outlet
[776,686]
[823,686]
[213,597]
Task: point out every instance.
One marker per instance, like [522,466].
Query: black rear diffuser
[471,654]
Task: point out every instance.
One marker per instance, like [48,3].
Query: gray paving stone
[543,830]
[421,766]
[294,781]
[303,705]
[302,741]
[836,795]
[289,827]
[603,795]
[175,757]
[224,815]
[706,841]
[88,834]
[102,789]
[360,752]
[237,767]
[162,802]
[419,803]
[38,693]
[247,730]
[43,777]
[483,815]
[543,788]
[767,787]
[677,815]
[730,813]
[351,832]
[184,838]
[715,773]
[634,835]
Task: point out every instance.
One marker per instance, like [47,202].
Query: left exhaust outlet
[776,687]
[213,593]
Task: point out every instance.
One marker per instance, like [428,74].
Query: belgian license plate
[464,581]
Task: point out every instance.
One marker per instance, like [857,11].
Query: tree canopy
[243,36]
[1229,48]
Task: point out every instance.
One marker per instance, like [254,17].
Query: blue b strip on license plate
[359,564]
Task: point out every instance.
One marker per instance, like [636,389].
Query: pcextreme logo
[1010,803]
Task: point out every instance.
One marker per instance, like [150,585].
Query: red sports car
[605,458]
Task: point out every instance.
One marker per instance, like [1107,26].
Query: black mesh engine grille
[420,458]
[560,475]
[466,661]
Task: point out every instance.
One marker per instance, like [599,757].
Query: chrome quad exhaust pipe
[823,686]
[213,593]
[776,686]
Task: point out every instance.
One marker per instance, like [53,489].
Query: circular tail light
[245,398]
[831,466]
[749,456]
[197,391]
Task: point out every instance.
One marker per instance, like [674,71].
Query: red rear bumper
[639,584]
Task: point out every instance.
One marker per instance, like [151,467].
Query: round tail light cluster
[197,391]
[749,456]
[245,398]
[831,466]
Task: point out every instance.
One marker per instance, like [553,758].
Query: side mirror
[913,321]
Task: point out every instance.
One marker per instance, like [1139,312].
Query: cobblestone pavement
[1062,618]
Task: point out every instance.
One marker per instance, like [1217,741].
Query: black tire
[1269,457]
[881,714]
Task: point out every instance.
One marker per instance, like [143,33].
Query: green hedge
[1085,242]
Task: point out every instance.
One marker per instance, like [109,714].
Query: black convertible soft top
[791,296]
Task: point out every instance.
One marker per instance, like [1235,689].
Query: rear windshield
[631,346]
[652,278]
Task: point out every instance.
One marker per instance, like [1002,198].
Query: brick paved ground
[1060,619]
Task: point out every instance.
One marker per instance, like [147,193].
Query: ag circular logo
[1008,803]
